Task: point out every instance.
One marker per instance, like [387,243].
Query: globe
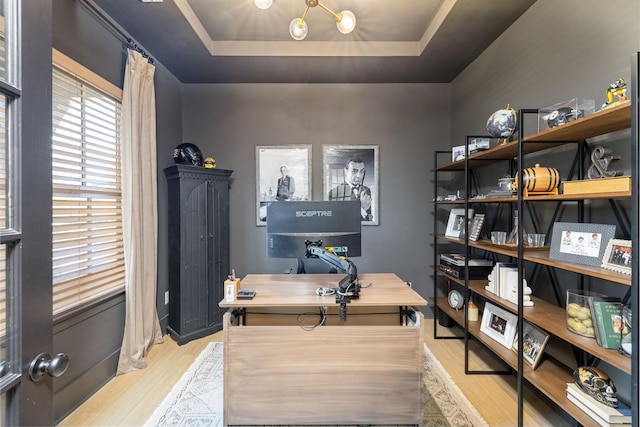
[502,123]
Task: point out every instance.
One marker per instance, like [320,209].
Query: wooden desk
[282,367]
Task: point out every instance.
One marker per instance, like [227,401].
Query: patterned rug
[196,400]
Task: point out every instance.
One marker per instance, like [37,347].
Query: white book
[496,278]
[603,414]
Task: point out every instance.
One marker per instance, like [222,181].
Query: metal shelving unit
[551,376]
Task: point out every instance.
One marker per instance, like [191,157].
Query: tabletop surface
[284,290]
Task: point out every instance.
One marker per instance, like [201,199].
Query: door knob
[43,363]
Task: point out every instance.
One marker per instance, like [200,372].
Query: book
[601,413]
[607,321]
[597,419]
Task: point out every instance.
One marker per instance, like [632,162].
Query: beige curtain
[139,212]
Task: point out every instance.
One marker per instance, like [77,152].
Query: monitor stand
[314,266]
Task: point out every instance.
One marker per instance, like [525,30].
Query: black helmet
[187,153]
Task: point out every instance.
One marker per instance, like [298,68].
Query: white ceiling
[233,41]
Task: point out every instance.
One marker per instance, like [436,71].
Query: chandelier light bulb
[298,29]
[346,22]
[263,4]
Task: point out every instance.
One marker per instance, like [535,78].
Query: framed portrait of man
[283,174]
[351,173]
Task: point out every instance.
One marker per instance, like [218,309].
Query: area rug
[196,400]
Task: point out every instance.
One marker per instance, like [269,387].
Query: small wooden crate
[617,184]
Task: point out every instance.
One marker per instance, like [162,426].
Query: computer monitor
[290,225]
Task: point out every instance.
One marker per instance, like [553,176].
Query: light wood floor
[130,399]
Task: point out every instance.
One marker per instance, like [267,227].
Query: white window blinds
[88,258]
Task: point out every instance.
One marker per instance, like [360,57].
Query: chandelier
[345,20]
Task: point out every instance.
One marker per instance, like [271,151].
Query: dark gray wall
[407,121]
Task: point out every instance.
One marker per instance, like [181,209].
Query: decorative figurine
[602,160]
[619,89]
[538,180]
[210,163]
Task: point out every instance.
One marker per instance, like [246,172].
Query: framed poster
[580,242]
[351,173]
[283,174]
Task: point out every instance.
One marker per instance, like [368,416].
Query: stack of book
[604,415]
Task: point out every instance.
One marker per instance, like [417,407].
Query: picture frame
[351,172]
[580,243]
[498,324]
[533,343]
[270,159]
[455,224]
[617,256]
[476,226]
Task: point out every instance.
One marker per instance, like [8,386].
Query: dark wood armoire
[198,249]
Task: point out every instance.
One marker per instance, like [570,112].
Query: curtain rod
[114,28]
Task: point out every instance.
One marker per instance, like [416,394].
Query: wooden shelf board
[556,198]
[506,151]
[576,197]
[587,270]
[550,377]
[542,257]
[610,120]
[605,121]
[552,319]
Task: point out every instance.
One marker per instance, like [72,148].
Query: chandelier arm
[304,15]
[338,16]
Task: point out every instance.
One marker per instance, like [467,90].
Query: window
[88,254]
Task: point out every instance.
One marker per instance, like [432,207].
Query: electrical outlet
[166,298]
